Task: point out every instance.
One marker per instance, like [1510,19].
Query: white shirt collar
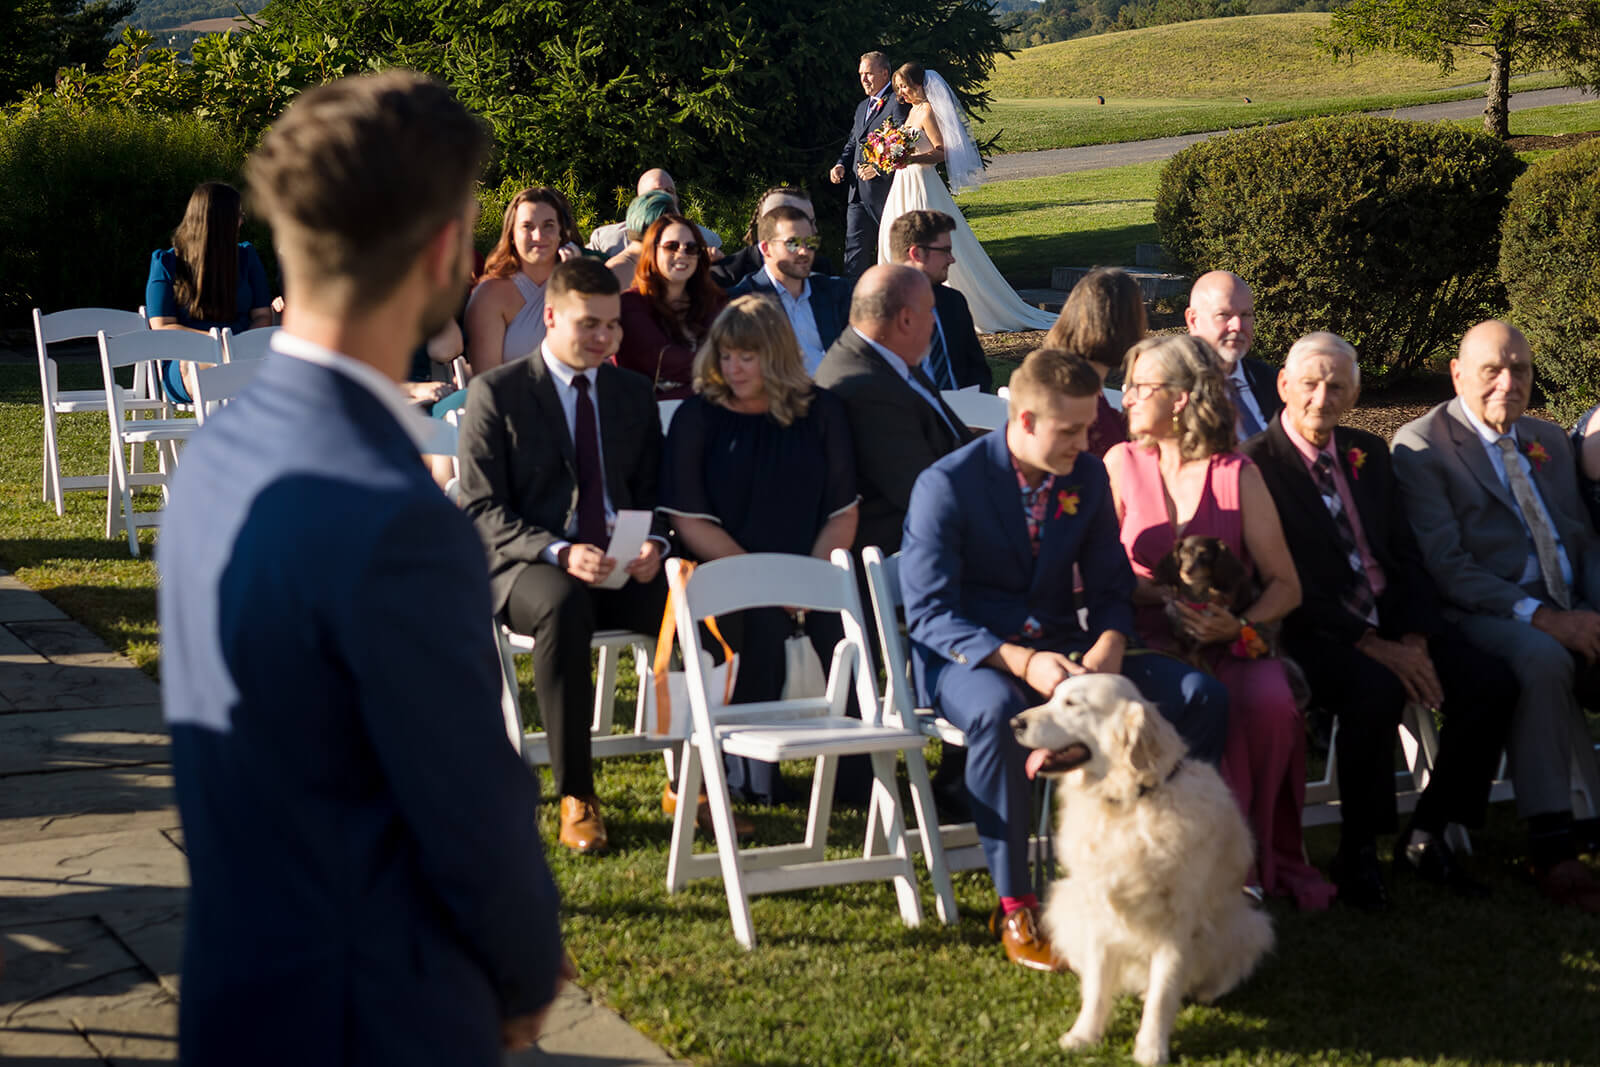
[562,372]
[777,284]
[417,426]
[1486,435]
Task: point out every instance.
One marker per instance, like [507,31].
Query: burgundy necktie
[591,479]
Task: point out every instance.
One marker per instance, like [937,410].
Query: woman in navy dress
[760,460]
[207,279]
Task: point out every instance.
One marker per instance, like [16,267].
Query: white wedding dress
[996,307]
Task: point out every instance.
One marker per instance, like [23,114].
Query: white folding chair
[250,345]
[81,324]
[132,349]
[801,729]
[980,411]
[215,386]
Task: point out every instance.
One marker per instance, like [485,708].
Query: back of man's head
[585,275]
[768,228]
[916,228]
[356,178]
[882,293]
[656,178]
[1048,373]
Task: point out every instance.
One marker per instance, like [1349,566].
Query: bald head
[1222,310]
[1319,382]
[893,305]
[656,178]
[1493,373]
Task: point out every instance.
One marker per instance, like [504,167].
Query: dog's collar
[1146,790]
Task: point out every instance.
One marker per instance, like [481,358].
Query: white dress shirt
[801,319]
[562,376]
[1524,608]
[904,371]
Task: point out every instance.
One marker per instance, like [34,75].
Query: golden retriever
[1155,856]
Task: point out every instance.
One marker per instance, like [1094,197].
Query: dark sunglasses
[688,248]
[795,244]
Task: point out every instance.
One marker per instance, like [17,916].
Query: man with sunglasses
[921,240]
[816,305]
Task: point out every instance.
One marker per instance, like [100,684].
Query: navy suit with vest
[368,885]
[866,196]
[971,581]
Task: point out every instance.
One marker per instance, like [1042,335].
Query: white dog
[1155,854]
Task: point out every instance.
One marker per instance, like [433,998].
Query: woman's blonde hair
[1190,365]
[754,323]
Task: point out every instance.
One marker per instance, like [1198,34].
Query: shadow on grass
[1026,260]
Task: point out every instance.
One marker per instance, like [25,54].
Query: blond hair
[1191,365]
[756,324]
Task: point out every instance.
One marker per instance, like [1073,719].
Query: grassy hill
[1270,56]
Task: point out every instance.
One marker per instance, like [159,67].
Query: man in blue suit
[367,880]
[817,306]
[868,188]
[992,535]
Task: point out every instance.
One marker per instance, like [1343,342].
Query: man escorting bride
[996,307]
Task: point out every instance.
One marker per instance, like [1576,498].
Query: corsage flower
[1536,454]
[1067,502]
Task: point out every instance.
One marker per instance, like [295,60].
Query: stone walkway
[92,872]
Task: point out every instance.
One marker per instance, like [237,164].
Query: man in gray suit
[1492,496]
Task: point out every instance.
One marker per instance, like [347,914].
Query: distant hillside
[1257,55]
[168,14]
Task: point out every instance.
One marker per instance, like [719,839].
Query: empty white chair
[980,411]
[250,345]
[76,324]
[801,729]
[215,386]
[131,349]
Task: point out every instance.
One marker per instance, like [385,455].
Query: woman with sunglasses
[670,307]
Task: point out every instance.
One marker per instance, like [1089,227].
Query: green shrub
[1550,264]
[1384,232]
[85,197]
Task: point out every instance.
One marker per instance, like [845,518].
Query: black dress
[772,488]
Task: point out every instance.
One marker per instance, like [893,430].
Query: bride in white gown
[996,307]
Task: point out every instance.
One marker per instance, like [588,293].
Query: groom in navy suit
[993,533]
[363,842]
[868,189]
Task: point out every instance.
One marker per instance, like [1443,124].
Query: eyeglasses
[1137,391]
[795,244]
[946,250]
[688,248]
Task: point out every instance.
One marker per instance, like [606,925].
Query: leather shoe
[1429,858]
[1570,882]
[1360,879]
[581,827]
[1024,944]
[742,826]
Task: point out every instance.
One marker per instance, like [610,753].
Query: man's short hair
[1325,343]
[1052,372]
[358,175]
[877,59]
[782,213]
[586,275]
[881,296]
[916,228]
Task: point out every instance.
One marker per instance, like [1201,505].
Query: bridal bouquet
[888,147]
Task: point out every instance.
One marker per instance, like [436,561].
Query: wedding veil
[962,163]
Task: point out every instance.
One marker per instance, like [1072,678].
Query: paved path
[1054,161]
[92,873]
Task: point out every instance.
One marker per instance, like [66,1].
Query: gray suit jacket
[1466,522]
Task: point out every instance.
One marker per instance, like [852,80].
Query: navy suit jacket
[968,574]
[967,361]
[873,192]
[830,301]
[368,885]
[1262,378]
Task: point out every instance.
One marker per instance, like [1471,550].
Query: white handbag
[803,677]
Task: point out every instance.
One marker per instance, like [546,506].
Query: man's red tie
[591,479]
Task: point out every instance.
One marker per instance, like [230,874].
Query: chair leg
[605,692]
[821,810]
[905,883]
[727,838]
[932,840]
[510,705]
[683,826]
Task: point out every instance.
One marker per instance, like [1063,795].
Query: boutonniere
[1067,502]
[1536,454]
[1356,458]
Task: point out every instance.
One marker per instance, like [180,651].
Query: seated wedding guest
[898,421]
[1222,312]
[642,214]
[759,460]
[815,304]
[994,533]
[207,279]
[611,238]
[551,449]
[921,240]
[1102,318]
[1179,476]
[505,314]
[669,309]
[1493,500]
[1368,633]
[1586,445]
[735,267]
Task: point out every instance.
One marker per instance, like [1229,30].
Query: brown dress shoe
[742,826]
[581,828]
[1024,944]
[1570,882]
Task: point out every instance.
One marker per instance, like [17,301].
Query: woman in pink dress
[1180,476]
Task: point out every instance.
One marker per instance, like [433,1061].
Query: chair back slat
[883,585]
[247,346]
[215,386]
[77,323]
[121,350]
[770,579]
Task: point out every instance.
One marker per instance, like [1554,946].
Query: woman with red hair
[505,314]
[670,307]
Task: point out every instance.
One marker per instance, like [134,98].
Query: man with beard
[816,305]
[367,881]
[1222,310]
